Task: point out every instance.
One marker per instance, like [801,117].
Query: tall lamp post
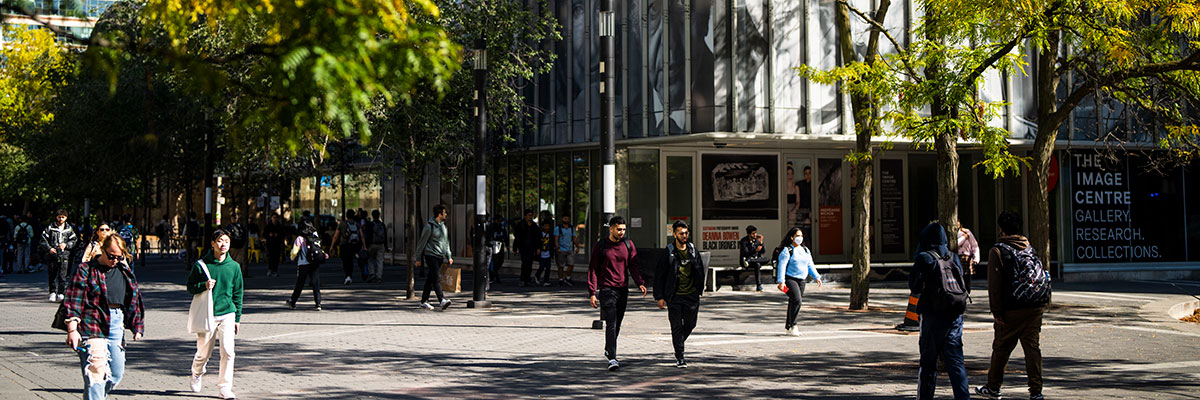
[482,255]
[608,124]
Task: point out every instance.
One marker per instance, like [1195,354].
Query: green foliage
[33,69]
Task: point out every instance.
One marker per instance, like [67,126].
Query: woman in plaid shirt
[101,302]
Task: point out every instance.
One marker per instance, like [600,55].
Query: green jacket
[227,294]
[434,241]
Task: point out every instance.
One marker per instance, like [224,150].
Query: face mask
[799,240]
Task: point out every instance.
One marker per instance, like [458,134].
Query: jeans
[1025,326]
[795,296]
[375,261]
[683,312]
[204,347]
[612,311]
[543,272]
[433,278]
[56,273]
[941,337]
[103,364]
[22,258]
[308,272]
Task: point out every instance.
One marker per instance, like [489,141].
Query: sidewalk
[537,342]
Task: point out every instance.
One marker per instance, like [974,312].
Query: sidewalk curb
[1160,312]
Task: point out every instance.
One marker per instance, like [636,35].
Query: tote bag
[200,316]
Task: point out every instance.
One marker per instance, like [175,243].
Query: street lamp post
[481,252]
[608,125]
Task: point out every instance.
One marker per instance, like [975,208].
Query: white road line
[1168,283]
[1144,367]
[787,339]
[1094,297]
[1117,295]
[526,316]
[1152,330]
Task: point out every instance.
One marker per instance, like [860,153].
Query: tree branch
[1191,63]
[879,27]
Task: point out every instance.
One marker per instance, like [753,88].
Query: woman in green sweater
[224,279]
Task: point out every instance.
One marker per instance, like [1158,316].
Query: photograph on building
[739,186]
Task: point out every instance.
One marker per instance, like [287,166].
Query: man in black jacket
[528,238]
[751,247]
[57,241]
[678,282]
[497,235]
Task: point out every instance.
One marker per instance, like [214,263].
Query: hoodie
[932,238]
[227,293]
[999,275]
[434,240]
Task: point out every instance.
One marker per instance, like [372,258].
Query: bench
[711,284]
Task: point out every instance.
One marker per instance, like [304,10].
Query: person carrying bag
[200,316]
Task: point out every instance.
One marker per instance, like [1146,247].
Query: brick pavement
[1098,343]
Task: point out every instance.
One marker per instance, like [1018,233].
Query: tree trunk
[412,194]
[947,182]
[1043,148]
[317,202]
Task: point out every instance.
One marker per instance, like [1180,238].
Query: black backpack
[378,232]
[949,296]
[1028,280]
[23,233]
[312,249]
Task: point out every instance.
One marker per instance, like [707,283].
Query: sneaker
[1036,397]
[793,331]
[426,305]
[613,365]
[291,304]
[61,297]
[53,298]
[570,282]
[680,363]
[562,282]
[444,304]
[758,289]
[546,284]
[226,393]
[347,281]
[991,394]
[196,383]
[317,308]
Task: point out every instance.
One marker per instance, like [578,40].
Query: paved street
[1101,341]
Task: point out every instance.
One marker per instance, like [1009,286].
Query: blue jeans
[941,337]
[112,353]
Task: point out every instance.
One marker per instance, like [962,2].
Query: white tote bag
[200,316]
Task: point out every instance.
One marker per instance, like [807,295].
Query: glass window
[545,205]
[642,208]
[581,193]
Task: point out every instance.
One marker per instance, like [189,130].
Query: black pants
[362,266]
[682,311]
[349,253]
[757,268]
[274,255]
[309,273]
[612,311]
[497,262]
[56,273]
[795,299]
[543,271]
[526,265]
[433,277]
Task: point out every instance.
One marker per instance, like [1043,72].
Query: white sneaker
[613,365]
[226,393]
[426,305]
[53,298]
[794,331]
[444,304]
[347,282]
[196,383]
[61,297]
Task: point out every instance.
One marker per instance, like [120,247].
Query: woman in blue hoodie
[941,335]
[796,263]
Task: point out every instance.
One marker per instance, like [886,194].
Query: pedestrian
[237,243]
[527,237]
[349,237]
[751,251]
[568,244]
[678,282]
[57,240]
[361,218]
[6,230]
[276,237]
[130,235]
[968,254]
[546,252]
[101,302]
[1013,269]
[795,266]
[434,248]
[936,274]
[93,248]
[225,281]
[614,260]
[22,236]
[163,232]
[376,239]
[309,255]
[497,233]
[191,234]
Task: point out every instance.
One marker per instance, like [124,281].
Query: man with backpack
[1018,291]
[22,235]
[376,237]
[678,282]
[937,278]
[349,237]
[57,242]
[613,261]
[130,235]
[237,244]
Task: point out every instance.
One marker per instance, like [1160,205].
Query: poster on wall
[891,206]
[721,239]
[829,205]
[1116,211]
[799,182]
[739,186]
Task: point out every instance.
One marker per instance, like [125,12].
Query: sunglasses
[105,229]
[115,257]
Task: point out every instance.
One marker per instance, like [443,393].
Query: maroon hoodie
[611,263]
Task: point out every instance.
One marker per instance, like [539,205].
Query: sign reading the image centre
[739,186]
[1102,204]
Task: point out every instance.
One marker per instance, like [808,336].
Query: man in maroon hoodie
[613,259]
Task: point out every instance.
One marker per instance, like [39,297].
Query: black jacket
[666,275]
[750,248]
[496,232]
[55,235]
[528,236]
[932,239]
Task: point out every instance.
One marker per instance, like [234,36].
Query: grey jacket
[434,240]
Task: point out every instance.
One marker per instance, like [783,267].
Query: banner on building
[740,186]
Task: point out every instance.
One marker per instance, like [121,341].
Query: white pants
[204,348]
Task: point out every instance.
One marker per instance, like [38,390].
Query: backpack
[23,233]
[352,233]
[378,232]
[126,234]
[237,236]
[312,249]
[780,249]
[949,296]
[1029,281]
